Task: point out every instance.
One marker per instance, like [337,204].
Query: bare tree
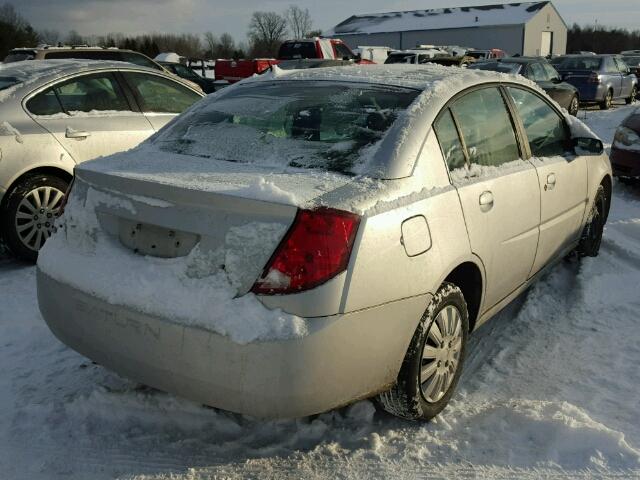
[74,38]
[211,45]
[227,46]
[50,37]
[299,21]
[266,31]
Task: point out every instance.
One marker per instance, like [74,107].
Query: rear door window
[160,95]
[546,130]
[95,92]
[486,127]
[44,103]
[138,59]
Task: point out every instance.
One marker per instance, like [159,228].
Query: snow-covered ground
[550,390]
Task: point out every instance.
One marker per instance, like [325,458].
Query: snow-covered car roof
[419,77]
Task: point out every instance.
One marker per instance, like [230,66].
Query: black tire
[607,101]
[632,97]
[10,223]
[591,238]
[407,398]
[574,106]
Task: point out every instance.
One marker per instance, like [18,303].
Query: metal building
[530,28]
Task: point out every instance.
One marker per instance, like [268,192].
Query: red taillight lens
[316,248]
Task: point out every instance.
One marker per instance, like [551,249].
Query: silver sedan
[309,238]
[55,114]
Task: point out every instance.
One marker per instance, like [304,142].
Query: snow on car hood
[291,186]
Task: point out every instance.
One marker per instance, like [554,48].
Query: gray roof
[440,18]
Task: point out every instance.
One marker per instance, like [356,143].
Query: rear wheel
[608,100]
[29,214]
[591,238]
[632,97]
[433,362]
[574,105]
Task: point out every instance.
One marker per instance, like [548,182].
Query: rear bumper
[344,357]
[591,93]
[625,163]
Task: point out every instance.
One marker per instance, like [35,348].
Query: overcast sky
[197,16]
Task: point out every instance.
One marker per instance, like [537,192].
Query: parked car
[208,85]
[451,61]
[88,53]
[375,54]
[625,150]
[262,276]
[540,71]
[633,61]
[414,56]
[233,71]
[81,52]
[489,54]
[630,52]
[599,79]
[58,113]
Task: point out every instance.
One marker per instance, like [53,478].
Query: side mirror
[588,146]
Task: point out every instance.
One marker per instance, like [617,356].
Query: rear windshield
[579,63]
[293,50]
[401,58]
[303,124]
[6,82]
[502,67]
[19,56]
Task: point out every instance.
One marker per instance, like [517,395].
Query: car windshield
[19,56]
[6,82]
[502,67]
[305,124]
[401,58]
[579,63]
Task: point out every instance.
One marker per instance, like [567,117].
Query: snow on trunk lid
[200,288]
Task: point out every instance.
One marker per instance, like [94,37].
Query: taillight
[594,78]
[316,248]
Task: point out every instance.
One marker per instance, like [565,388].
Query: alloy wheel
[37,211]
[574,106]
[441,354]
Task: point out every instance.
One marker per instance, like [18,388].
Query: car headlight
[626,138]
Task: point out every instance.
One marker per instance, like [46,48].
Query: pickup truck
[319,48]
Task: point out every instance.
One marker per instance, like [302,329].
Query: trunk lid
[167,205]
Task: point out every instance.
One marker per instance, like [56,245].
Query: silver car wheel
[36,214]
[441,354]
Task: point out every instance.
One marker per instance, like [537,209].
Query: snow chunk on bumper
[191,290]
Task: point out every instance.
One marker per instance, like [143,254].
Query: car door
[160,98]
[90,116]
[499,193]
[562,174]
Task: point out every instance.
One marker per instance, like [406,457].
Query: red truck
[327,48]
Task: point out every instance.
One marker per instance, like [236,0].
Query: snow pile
[168,57]
[183,290]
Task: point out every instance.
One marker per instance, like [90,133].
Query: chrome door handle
[71,133]
[486,200]
[551,181]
